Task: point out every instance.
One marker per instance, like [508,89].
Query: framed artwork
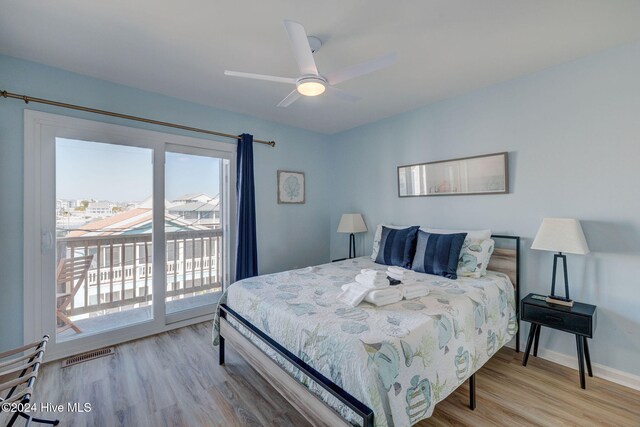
[290,187]
[486,174]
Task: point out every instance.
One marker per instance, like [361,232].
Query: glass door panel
[194,222]
[103,237]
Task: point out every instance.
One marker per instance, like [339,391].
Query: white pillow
[471,234]
[474,257]
[378,236]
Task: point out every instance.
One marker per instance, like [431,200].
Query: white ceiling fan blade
[277,79]
[301,49]
[339,93]
[361,69]
[290,99]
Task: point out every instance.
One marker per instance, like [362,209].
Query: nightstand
[579,320]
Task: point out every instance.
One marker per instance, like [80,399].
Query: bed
[367,365]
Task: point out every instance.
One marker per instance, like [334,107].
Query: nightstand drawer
[558,319]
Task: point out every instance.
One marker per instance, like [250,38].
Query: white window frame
[40,131]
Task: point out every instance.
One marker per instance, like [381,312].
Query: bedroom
[552,84]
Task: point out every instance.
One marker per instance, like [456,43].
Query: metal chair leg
[13,419]
[44,421]
[31,419]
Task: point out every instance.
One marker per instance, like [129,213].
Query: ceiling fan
[311,82]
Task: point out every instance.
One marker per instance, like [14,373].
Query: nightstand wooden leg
[580,345]
[587,357]
[535,341]
[532,334]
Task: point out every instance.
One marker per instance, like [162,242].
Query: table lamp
[352,223]
[561,235]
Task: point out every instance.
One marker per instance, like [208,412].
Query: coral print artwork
[290,187]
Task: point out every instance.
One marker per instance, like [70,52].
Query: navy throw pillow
[397,246]
[438,253]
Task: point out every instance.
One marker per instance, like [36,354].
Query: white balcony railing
[121,273]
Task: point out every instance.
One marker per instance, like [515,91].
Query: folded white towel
[353,293]
[372,282]
[374,273]
[406,280]
[401,274]
[382,297]
[383,301]
[394,276]
[399,270]
[414,291]
[403,277]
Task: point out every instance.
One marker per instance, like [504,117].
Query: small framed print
[290,187]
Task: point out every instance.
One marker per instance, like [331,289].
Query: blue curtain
[246,247]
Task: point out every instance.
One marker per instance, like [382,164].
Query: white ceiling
[181,48]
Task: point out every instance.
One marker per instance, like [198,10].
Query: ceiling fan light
[311,88]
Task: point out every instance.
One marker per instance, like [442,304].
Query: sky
[120,173]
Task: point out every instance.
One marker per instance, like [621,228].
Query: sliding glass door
[195,219]
[126,231]
[103,234]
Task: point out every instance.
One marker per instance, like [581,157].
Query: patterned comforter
[400,359]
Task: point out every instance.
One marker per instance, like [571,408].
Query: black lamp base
[557,256]
[352,245]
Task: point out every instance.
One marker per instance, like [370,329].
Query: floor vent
[108,351]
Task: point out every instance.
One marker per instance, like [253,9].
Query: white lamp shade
[352,223]
[561,235]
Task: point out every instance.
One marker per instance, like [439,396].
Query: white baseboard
[601,371]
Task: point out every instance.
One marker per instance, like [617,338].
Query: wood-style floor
[173,379]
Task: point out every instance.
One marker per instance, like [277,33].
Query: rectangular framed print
[290,187]
[486,174]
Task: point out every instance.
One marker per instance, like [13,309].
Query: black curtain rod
[28,99]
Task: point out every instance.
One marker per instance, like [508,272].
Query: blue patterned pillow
[397,246]
[438,253]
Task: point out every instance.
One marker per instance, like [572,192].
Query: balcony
[117,289]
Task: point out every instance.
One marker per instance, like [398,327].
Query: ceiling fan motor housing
[314,43]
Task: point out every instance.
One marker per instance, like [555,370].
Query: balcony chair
[18,376]
[71,274]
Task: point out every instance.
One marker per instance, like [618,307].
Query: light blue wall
[288,235]
[573,137]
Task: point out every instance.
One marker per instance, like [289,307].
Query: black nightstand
[579,320]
